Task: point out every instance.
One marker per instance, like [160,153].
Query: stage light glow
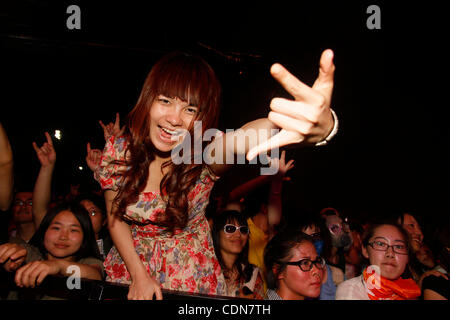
[58,134]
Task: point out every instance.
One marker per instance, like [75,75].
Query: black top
[437,284]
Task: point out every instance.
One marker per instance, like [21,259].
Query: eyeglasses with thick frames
[231,228]
[306,264]
[383,246]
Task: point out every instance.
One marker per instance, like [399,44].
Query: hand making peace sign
[308,117]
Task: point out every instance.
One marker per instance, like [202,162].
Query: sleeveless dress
[184,260]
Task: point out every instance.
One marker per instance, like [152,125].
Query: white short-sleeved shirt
[352,289]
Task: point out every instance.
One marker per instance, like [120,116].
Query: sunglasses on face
[231,228]
[306,264]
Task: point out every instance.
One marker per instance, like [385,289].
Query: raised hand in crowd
[112,129]
[6,171]
[93,157]
[42,188]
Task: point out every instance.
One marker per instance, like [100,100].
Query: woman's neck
[228,260]
[155,175]
[69,258]
[161,157]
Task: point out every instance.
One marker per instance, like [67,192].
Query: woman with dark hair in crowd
[387,248]
[64,238]
[230,234]
[156,206]
[422,263]
[294,269]
[435,287]
[95,205]
[317,230]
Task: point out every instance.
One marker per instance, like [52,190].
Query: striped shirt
[272,295]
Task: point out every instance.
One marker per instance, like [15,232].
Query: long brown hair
[191,79]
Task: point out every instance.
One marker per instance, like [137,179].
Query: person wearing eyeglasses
[314,226]
[230,234]
[294,269]
[386,246]
[22,218]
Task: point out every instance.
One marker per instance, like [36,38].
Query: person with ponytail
[156,205]
[386,278]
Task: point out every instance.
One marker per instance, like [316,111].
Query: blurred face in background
[22,207]
[96,215]
[339,232]
[411,226]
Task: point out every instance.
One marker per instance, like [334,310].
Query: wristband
[332,133]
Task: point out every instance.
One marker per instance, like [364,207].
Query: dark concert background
[388,154]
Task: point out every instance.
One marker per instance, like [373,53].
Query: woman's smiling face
[64,236]
[170,118]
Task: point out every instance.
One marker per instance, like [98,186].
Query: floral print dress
[184,260]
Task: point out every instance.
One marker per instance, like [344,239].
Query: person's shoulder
[351,289]
[90,260]
[356,281]
[337,275]
[433,281]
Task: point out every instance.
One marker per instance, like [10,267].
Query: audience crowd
[152,225]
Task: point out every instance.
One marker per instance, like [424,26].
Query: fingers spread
[295,109]
[303,126]
[284,137]
[49,139]
[290,83]
[325,81]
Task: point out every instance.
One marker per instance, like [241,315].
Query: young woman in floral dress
[156,207]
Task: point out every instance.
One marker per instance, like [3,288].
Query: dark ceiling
[56,78]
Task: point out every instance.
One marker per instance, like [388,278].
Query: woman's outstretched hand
[308,117]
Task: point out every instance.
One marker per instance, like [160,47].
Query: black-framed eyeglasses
[383,246]
[306,264]
[23,203]
[231,228]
